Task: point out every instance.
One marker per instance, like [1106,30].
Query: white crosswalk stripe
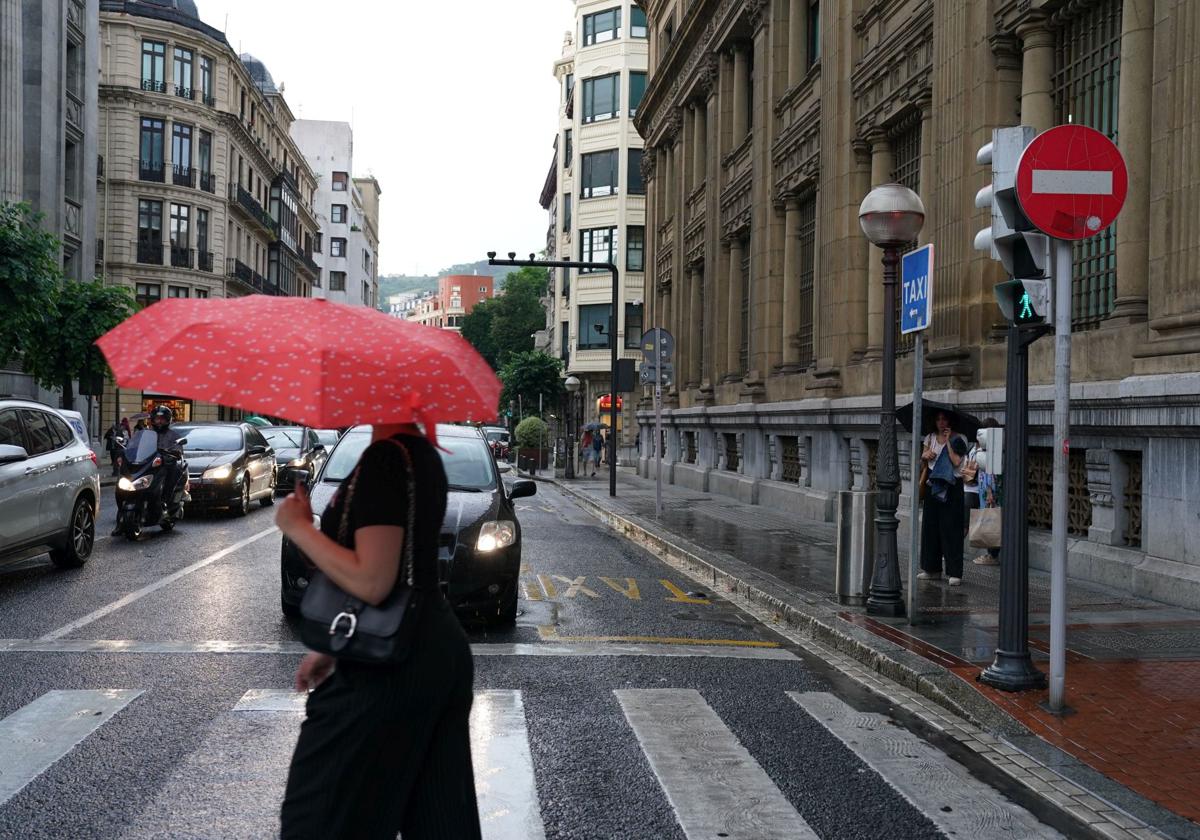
[504,782]
[938,786]
[716,788]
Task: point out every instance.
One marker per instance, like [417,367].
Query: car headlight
[496,535]
[128,486]
[296,462]
[220,472]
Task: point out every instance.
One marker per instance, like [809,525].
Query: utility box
[855,546]
[992,442]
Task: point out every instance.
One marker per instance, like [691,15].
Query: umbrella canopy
[317,363]
[961,422]
[593,427]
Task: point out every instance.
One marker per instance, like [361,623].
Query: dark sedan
[479,552]
[296,448]
[229,466]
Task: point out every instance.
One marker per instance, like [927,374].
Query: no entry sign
[1071,182]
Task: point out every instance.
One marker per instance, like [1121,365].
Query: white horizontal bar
[504,780]
[1073,181]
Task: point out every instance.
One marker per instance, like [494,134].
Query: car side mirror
[523,489]
[320,447]
[256,449]
[12,454]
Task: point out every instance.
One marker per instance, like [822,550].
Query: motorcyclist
[168,443]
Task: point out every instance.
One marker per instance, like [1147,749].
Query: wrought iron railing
[150,252]
[208,182]
[204,260]
[184,92]
[182,257]
[154,85]
[183,176]
[152,170]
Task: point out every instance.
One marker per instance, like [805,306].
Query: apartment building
[456,298]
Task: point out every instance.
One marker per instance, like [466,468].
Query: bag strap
[407,562]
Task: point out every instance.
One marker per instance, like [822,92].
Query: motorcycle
[142,498]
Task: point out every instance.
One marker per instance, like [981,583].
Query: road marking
[504,780]
[137,595]
[714,785]
[40,733]
[550,632]
[1073,181]
[272,700]
[548,586]
[532,593]
[574,587]
[940,788]
[682,597]
[629,590]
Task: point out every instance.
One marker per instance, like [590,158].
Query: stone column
[741,90]
[1133,127]
[699,143]
[11,109]
[1037,72]
[686,160]
[733,312]
[695,328]
[881,173]
[925,104]
[797,41]
[791,283]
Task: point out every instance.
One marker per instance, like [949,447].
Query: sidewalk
[1133,666]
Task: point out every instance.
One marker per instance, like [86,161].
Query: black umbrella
[960,422]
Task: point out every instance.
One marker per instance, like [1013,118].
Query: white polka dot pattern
[311,361]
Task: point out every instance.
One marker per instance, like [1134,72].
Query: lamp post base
[1012,671]
[887,603]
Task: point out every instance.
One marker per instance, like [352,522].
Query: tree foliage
[531,433]
[477,329]
[505,325]
[29,274]
[531,374]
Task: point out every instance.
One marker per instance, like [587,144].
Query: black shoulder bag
[337,623]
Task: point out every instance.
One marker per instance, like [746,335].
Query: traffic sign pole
[657,428]
[1063,265]
[916,314]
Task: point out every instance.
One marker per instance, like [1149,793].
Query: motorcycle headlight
[129,486]
[496,535]
[125,484]
[220,472]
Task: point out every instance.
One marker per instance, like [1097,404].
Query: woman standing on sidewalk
[942,525]
[978,493]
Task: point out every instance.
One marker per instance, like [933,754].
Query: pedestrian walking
[125,428]
[589,454]
[979,491]
[942,527]
[598,449]
[385,748]
[113,446]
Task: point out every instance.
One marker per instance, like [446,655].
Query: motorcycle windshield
[141,447]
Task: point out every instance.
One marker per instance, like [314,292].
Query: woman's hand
[314,669]
[294,513]
[943,436]
[927,455]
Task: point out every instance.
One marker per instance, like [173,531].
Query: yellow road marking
[548,586]
[532,593]
[682,597]
[629,590]
[550,633]
[574,587]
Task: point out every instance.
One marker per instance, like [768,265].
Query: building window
[635,248]
[366,261]
[633,326]
[599,176]
[637,89]
[906,170]
[337,281]
[568,149]
[183,73]
[566,225]
[807,257]
[181,153]
[568,86]
[202,294]
[74,69]
[564,341]
[337,247]
[591,317]
[181,254]
[601,97]
[71,170]
[154,62]
[202,245]
[178,292]
[637,22]
[636,185]
[814,31]
[601,27]
[204,161]
[598,245]
[151,163]
[337,214]
[1087,74]
[206,81]
[340,181]
[150,242]
[147,294]
[318,238]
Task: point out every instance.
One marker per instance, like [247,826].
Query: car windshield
[283,438]
[327,437]
[497,435]
[468,462]
[211,438]
[141,447]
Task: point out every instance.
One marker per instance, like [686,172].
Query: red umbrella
[317,363]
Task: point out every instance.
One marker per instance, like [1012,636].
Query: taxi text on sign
[1071,182]
[916,290]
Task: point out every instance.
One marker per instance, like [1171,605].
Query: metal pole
[612,402]
[540,412]
[658,422]
[914,540]
[1063,265]
[885,596]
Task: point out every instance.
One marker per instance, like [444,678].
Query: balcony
[210,101]
[185,92]
[251,279]
[150,252]
[154,85]
[182,257]
[152,170]
[309,263]
[205,260]
[183,176]
[250,207]
[208,182]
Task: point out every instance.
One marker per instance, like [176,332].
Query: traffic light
[1012,238]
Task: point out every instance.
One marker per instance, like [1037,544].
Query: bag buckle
[335,625]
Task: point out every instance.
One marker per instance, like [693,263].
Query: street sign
[916,290]
[647,375]
[1071,182]
[665,342]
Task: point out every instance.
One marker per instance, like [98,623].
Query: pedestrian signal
[1025,301]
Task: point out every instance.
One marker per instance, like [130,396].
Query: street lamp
[890,216]
[572,385]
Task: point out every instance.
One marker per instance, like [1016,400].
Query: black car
[229,466]
[479,552]
[296,448]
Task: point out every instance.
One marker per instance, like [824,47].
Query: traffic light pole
[1063,265]
[1012,668]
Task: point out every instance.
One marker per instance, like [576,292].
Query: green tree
[530,280]
[477,329]
[519,312]
[528,375]
[77,314]
[29,274]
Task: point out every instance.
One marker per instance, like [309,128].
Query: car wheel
[243,506]
[289,610]
[167,524]
[80,538]
[269,499]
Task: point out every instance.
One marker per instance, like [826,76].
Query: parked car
[296,448]
[75,421]
[328,438]
[479,551]
[49,486]
[229,466]
[500,441]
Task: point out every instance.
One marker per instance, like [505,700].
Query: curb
[810,615]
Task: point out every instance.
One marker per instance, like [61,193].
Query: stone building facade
[203,193]
[767,121]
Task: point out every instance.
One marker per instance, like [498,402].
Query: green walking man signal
[1025,305]
[1025,302]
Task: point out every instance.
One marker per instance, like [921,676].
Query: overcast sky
[453,105]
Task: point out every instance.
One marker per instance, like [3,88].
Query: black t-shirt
[381,498]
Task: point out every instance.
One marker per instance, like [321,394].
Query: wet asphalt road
[161,766]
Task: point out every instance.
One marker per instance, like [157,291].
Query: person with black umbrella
[944,453]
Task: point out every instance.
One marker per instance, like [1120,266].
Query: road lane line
[38,734]
[550,632]
[548,586]
[682,597]
[504,780]
[941,788]
[574,586]
[714,785]
[629,590]
[67,629]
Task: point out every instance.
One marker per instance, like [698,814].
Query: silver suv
[49,486]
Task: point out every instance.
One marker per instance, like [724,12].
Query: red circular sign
[1071,182]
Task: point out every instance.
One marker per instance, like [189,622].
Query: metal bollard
[855,546]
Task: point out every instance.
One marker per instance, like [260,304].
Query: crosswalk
[230,784]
